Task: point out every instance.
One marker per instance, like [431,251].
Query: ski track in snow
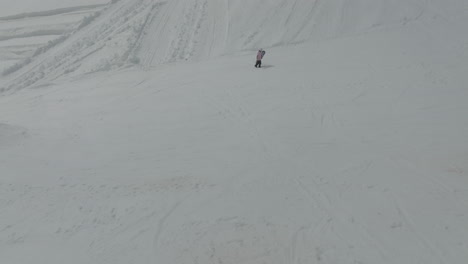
[54,12]
[126,32]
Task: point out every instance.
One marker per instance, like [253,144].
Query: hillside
[29,27]
[149,33]
[145,135]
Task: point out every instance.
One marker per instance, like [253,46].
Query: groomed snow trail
[173,165]
[155,32]
[348,146]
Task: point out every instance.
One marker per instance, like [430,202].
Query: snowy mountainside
[345,160]
[31,8]
[149,137]
[28,28]
[149,32]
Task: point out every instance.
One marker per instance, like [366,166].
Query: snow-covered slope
[28,28]
[24,8]
[349,146]
[150,32]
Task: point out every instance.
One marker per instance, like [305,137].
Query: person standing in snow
[260,55]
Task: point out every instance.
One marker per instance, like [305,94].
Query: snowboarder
[260,55]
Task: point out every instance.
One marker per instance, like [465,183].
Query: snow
[19,7]
[23,35]
[147,136]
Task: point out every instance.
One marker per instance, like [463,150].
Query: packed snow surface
[138,131]
[28,27]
